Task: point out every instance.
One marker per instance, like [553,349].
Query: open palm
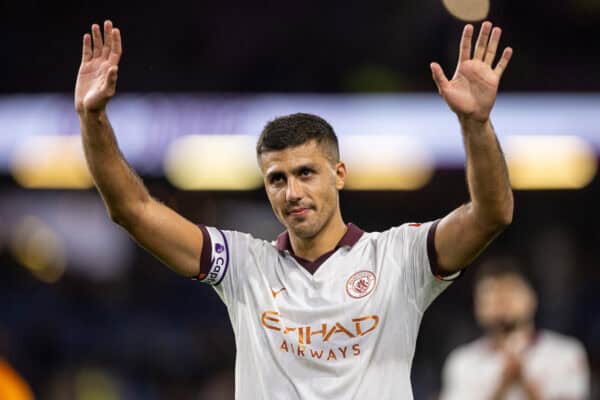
[97,77]
[472,91]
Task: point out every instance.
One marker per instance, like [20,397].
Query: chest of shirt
[348,297]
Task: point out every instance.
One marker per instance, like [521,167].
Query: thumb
[438,76]
[111,80]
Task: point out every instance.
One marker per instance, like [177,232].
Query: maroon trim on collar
[352,235]
[283,241]
[349,239]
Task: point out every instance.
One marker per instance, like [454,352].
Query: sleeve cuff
[214,259]
[433,256]
[205,255]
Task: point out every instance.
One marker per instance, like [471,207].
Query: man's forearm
[487,175]
[121,189]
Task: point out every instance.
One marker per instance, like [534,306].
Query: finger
[438,76]
[97,40]
[86,52]
[116,49]
[107,38]
[466,40]
[482,40]
[490,54]
[504,60]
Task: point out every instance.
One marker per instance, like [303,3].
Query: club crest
[360,284]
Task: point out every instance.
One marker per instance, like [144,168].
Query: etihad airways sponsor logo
[303,334]
[300,340]
[329,354]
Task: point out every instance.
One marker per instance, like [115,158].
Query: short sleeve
[414,251]
[574,380]
[222,259]
[449,381]
[457,380]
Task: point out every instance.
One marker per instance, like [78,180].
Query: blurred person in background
[513,360]
[328,311]
[12,385]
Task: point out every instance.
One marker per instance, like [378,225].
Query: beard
[308,228]
[313,224]
[505,326]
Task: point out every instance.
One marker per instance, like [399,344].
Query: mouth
[298,212]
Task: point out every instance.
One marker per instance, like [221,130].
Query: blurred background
[85,314]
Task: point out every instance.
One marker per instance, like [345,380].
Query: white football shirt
[556,363]
[348,331]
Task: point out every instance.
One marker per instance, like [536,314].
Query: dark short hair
[500,267]
[295,130]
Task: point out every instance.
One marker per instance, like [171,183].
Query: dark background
[279,46]
[151,335]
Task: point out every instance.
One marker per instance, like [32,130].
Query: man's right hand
[97,77]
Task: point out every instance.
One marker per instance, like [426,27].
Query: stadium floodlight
[50,162]
[213,162]
[550,162]
[386,162]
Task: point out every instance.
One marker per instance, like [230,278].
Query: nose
[293,192]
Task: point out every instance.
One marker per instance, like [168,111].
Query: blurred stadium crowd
[107,321]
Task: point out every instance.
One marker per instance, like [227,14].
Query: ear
[340,175]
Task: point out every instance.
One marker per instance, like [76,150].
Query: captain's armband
[215,257]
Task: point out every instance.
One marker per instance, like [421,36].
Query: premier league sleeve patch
[219,259]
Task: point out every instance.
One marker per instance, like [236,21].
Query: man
[328,311]
[513,361]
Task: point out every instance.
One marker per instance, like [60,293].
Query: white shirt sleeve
[465,379]
[453,386]
[223,265]
[571,380]
[412,247]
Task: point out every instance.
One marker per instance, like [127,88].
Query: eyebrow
[298,169]
[295,171]
[273,174]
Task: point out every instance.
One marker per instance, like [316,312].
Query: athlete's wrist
[89,115]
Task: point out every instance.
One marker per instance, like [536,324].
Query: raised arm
[170,237]
[471,94]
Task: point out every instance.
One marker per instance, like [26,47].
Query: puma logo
[276,293]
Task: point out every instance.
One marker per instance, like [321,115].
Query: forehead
[509,284]
[289,158]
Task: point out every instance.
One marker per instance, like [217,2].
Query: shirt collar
[352,235]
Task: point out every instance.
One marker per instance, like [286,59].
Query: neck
[517,340]
[328,237]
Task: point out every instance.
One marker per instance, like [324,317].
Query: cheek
[327,190]
[488,308]
[520,306]
[274,198]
